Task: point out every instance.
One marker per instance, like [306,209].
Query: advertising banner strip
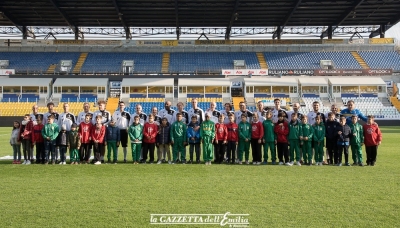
[352,72]
[238,72]
[5,72]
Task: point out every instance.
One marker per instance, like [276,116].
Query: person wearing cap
[62,139]
[112,139]
[73,144]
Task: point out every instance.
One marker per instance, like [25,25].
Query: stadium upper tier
[193,62]
[310,60]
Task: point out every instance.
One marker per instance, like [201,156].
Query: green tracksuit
[294,140]
[51,131]
[356,141]
[318,136]
[74,142]
[112,146]
[178,137]
[269,138]
[244,133]
[136,133]
[207,135]
[307,131]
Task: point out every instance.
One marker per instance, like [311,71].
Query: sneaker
[98,163]
[173,163]
[354,163]
[28,162]
[361,164]
[274,163]
[237,161]
[53,162]
[14,162]
[240,162]
[324,163]
[169,162]
[115,162]
[288,164]
[280,163]
[265,163]
[247,162]
[24,163]
[206,163]
[291,163]
[254,163]
[190,162]
[72,163]
[298,163]
[198,162]
[258,163]
[102,161]
[209,163]
[347,164]
[310,164]
[61,163]
[339,164]
[159,162]
[317,163]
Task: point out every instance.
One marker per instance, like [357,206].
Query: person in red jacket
[97,134]
[150,131]
[232,139]
[372,139]
[257,134]
[221,138]
[38,141]
[25,138]
[86,140]
[282,131]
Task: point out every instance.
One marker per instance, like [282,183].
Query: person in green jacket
[50,132]
[294,139]
[306,139]
[178,139]
[244,139]
[357,141]
[269,138]
[136,135]
[73,144]
[318,139]
[207,135]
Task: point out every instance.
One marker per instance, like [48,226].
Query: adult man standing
[350,111]
[227,112]
[311,115]
[243,110]
[66,118]
[35,114]
[122,118]
[213,113]
[157,118]
[276,110]
[139,112]
[296,108]
[335,112]
[261,111]
[185,115]
[195,110]
[82,115]
[167,112]
[106,115]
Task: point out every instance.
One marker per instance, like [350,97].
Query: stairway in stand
[112,104]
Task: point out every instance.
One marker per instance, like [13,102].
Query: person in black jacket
[163,141]
[330,134]
[343,135]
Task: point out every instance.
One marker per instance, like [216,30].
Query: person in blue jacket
[193,137]
[350,111]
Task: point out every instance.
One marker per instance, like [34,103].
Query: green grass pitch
[124,195]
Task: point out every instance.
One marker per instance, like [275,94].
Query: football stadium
[199,113]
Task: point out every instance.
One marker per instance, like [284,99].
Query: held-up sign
[242,72]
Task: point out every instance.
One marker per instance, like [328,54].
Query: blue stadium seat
[381,59]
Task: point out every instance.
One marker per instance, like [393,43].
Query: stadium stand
[373,106]
[108,62]
[210,61]
[36,61]
[381,59]
[309,60]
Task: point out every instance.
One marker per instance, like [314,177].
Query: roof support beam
[121,18]
[25,31]
[178,30]
[380,31]
[287,19]
[234,17]
[78,34]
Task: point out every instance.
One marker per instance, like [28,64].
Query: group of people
[221,136]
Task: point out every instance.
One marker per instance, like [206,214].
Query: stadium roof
[204,82]
[190,13]
[313,81]
[25,81]
[271,81]
[147,82]
[356,81]
[90,82]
